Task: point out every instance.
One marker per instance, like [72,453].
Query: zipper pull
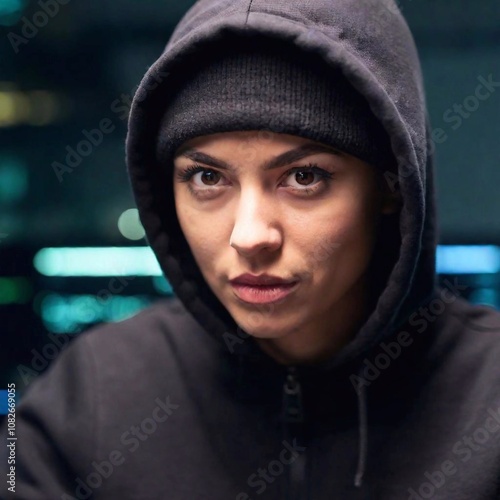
[293,410]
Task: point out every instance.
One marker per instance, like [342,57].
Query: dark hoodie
[178,403]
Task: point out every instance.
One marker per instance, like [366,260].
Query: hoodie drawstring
[362,429]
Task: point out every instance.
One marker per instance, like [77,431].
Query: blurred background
[72,250]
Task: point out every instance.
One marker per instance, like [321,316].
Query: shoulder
[162,335]
[480,323]
[118,367]
[165,317]
[467,339]
[153,326]
[161,338]
[477,318]
[455,338]
[449,319]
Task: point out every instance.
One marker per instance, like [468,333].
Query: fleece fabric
[178,403]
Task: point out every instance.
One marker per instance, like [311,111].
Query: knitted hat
[266,84]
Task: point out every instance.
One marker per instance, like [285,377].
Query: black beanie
[263,84]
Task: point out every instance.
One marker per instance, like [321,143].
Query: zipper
[293,419]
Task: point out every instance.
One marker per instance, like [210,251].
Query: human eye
[308,173]
[197,175]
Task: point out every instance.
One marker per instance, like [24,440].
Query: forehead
[276,149]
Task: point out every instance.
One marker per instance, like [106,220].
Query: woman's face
[250,203]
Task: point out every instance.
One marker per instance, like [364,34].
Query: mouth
[263,294]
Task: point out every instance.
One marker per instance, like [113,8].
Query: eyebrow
[279,161]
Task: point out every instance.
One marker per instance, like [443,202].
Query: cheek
[203,236]
[358,213]
[341,240]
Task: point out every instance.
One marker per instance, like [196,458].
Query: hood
[370,42]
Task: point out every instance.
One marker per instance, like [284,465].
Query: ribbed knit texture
[267,86]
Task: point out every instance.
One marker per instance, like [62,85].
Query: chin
[264,331]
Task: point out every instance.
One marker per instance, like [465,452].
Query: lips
[262,289]
[261,280]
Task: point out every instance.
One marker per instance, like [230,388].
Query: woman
[281,160]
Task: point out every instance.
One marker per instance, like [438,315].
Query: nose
[255,225]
